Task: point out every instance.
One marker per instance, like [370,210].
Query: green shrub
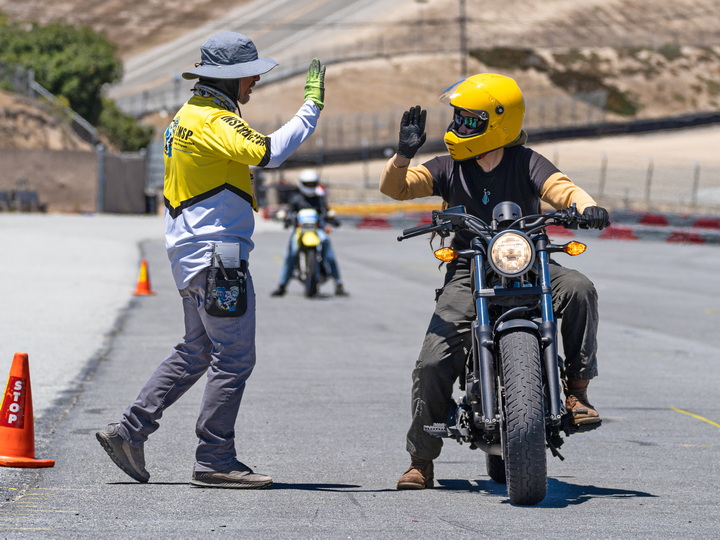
[123,129]
[74,64]
[670,51]
[577,82]
[509,58]
[68,61]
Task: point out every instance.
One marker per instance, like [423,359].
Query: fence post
[319,144]
[339,126]
[603,175]
[648,180]
[365,162]
[100,177]
[359,130]
[695,185]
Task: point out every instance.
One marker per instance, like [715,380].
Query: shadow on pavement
[560,494]
[327,487]
[354,488]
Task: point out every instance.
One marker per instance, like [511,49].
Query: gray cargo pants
[448,341]
[222,347]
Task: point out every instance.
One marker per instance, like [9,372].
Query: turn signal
[446,254]
[574,248]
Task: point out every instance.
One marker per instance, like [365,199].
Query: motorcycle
[511,408]
[310,268]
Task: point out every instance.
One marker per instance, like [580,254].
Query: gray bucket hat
[229,55]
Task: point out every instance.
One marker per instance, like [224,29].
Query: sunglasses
[470,122]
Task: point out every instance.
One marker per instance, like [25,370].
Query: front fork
[548,335]
[484,399]
[482,386]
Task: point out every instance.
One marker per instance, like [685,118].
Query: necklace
[486,190]
[486,196]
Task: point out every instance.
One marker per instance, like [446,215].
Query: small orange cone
[17,429]
[143,284]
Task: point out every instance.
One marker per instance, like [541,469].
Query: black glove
[596,218]
[412,132]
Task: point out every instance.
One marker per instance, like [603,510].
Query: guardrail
[22,81]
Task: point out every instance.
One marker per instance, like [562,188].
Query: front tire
[524,417]
[311,272]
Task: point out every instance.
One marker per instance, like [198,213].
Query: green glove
[315,83]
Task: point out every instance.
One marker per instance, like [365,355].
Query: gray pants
[448,341]
[224,347]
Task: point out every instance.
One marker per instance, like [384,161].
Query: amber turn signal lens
[574,248]
[446,254]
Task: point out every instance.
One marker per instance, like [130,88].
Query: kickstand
[555,451]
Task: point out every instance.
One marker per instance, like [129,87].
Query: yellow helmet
[497,101]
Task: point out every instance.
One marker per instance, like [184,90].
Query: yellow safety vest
[209,149]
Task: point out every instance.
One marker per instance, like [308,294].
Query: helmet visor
[449,93]
[470,124]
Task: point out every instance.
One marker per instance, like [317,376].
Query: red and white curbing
[649,227]
[674,228]
[626,225]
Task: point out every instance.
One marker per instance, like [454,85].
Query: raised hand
[315,83]
[412,131]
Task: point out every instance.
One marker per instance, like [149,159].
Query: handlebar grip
[418,229]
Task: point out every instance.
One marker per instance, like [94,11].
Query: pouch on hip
[226,289]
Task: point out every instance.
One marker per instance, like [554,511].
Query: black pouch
[226,290]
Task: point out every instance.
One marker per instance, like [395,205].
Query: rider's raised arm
[560,192]
[404,183]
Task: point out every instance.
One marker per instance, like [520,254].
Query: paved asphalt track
[327,407]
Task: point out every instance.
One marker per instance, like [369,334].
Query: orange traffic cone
[17,429]
[143,284]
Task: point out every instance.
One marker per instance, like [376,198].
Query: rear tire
[311,272]
[495,468]
[524,417]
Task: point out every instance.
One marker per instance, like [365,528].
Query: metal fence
[22,81]
[367,137]
[369,132]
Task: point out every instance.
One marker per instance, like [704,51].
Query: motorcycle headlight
[511,253]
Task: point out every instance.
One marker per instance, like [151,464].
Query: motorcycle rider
[487,164]
[310,194]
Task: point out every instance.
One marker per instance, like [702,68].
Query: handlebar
[454,219]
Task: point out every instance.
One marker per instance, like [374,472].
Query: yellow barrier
[384,208]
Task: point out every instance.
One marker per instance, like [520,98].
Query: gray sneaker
[238,476]
[131,459]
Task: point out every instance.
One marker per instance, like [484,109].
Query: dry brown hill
[132,25]
[662,57]
[26,124]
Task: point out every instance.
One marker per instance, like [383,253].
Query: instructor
[209,221]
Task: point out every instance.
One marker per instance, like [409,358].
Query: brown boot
[578,404]
[418,476]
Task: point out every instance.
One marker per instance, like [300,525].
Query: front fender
[516,323]
[309,239]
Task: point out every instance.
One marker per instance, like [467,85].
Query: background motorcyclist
[487,164]
[310,194]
